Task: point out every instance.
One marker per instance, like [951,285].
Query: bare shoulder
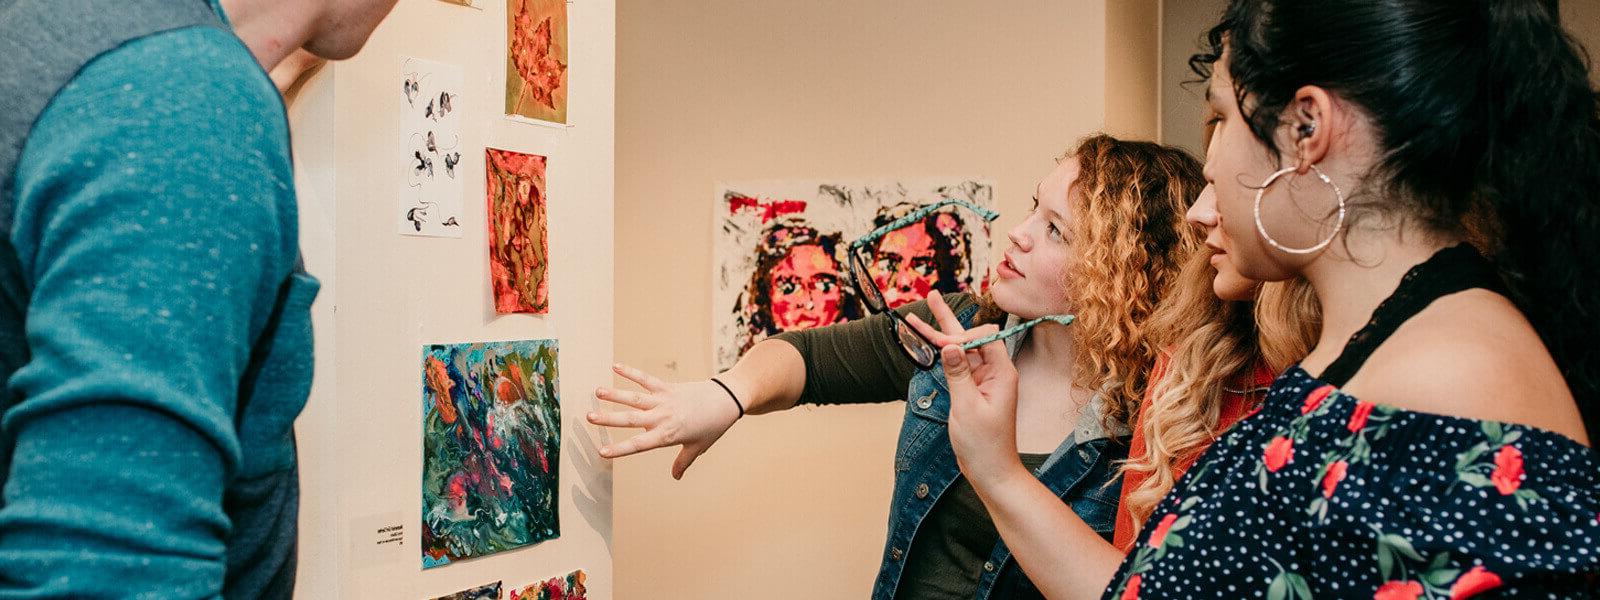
[1471,355]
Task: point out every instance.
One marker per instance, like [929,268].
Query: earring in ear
[1262,229]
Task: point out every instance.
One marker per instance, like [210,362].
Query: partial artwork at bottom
[487,592]
[491,441]
[555,588]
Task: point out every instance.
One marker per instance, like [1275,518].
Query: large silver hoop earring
[1262,229]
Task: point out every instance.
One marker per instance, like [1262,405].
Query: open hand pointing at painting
[695,414]
[690,414]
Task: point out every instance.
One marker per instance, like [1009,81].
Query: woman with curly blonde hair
[1104,242]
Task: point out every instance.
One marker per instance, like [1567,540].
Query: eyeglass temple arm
[919,214]
[1016,329]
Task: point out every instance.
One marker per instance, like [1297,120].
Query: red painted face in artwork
[805,289]
[906,263]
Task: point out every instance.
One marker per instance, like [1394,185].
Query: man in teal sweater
[155,337]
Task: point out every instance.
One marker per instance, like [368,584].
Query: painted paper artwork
[429,153]
[487,592]
[780,252]
[519,250]
[555,588]
[491,439]
[536,59]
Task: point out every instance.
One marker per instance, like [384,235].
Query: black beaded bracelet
[729,390]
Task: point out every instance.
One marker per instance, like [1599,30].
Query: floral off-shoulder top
[1322,495]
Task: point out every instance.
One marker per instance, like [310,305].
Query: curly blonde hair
[1212,344]
[1133,196]
[1128,202]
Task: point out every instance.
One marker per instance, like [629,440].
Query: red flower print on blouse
[1474,582]
[1132,591]
[1160,533]
[1399,590]
[1358,419]
[1332,479]
[1315,399]
[1279,452]
[1507,475]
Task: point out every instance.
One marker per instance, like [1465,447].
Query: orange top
[1235,406]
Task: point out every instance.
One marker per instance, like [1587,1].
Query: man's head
[331,29]
[345,25]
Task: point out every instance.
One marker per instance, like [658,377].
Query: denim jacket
[925,467]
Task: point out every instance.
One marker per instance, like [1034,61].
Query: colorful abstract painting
[555,588]
[536,59]
[518,249]
[487,592]
[491,440]
[780,252]
[429,151]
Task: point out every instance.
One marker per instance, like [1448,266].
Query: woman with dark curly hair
[797,283]
[1435,442]
[1104,241]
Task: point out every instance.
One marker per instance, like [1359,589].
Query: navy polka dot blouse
[1322,495]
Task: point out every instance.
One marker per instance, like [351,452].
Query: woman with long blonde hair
[1228,338]
[1222,338]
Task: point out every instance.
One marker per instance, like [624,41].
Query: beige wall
[1183,24]
[385,295]
[1133,45]
[1582,19]
[794,505]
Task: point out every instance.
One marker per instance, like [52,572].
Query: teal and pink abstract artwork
[569,587]
[491,441]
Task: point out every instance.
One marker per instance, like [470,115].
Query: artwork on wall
[491,439]
[780,252]
[536,59]
[486,592]
[569,587]
[429,154]
[518,246]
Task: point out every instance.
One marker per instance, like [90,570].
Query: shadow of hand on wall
[592,494]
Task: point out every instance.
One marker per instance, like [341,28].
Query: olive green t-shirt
[949,552]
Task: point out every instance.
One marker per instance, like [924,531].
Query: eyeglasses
[917,347]
[925,354]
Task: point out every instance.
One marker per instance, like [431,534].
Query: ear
[1311,125]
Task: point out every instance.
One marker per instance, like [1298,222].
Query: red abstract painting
[518,218]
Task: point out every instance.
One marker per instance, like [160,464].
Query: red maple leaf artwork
[536,55]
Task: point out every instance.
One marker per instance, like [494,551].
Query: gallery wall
[1582,19]
[1183,105]
[794,504]
[385,295]
[1133,45]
